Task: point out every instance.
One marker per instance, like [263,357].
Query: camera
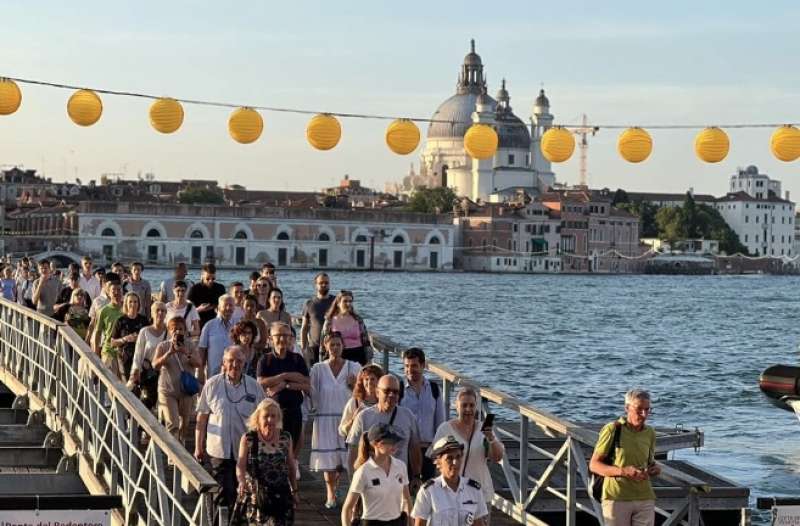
[180,339]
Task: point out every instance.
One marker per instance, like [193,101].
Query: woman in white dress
[480,446]
[331,384]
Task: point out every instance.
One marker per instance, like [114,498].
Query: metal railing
[568,450]
[100,424]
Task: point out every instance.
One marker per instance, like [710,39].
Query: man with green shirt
[106,318]
[628,497]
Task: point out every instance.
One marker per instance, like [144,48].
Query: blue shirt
[215,338]
[428,410]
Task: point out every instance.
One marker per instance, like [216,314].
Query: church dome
[542,99]
[512,132]
[456,114]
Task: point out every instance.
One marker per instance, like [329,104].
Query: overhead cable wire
[352,115]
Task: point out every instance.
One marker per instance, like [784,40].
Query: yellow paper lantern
[402,136]
[557,145]
[712,145]
[166,115]
[84,107]
[480,141]
[245,125]
[323,131]
[10,97]
[785,143]
[635,145]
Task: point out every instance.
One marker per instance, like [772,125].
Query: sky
[620,63]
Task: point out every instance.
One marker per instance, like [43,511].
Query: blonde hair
[156,305]
[263,407]
[130,295]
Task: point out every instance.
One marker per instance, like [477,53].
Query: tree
[201,196]
[432,200]
[671,226]
[647,217]
[620,196]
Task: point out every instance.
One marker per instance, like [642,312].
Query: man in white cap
[449,499]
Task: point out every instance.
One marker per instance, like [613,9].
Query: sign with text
[55,518]
[786,516]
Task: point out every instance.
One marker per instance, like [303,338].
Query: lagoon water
[573,344]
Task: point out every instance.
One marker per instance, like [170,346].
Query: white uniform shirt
[381,494]
[441,506]
[228,407]
[90,285]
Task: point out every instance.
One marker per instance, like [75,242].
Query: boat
[781,384]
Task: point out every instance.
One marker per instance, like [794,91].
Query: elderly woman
[181,306]
[149,338]
[331,384]
[125,333]
[480,445]
[342,318]
[365,394]
[275,310]
[266,468]
[172,357]
[244,334]
[388,501]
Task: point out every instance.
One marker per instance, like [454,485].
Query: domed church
[518,162]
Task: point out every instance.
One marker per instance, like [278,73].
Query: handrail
[98,419]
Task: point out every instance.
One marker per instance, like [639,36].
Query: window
[283,236]
[324,237]
[196,234]
[196,255]
[152,253]
[108,232]
[398,239]
[240,234]
[153,232]
[323,257]
[239,256]
[746,219]
[398,259]
[361,238]
[108,251]
[434,241]
[282,257]
[434,260]
[511,159]
[360,258]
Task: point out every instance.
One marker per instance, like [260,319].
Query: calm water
[573,344]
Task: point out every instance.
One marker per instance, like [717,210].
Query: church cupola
[503,99]
[542,104]
[471,80]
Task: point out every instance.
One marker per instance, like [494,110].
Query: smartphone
[179,339]
[488,422]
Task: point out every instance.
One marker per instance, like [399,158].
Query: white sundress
[329,395]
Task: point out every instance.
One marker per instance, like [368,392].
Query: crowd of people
[229,357]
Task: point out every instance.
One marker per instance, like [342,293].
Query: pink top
[350,330]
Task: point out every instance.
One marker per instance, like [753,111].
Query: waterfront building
[518,162]
[509,237]
[670,200]
[247,236]
[753,208]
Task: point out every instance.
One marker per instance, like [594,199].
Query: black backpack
[434,389]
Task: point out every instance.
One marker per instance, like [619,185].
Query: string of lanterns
[324,131]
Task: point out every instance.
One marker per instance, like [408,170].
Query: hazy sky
[618,62]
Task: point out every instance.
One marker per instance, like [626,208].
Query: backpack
[595,489]
[434,389]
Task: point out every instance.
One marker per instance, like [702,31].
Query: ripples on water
[573,344]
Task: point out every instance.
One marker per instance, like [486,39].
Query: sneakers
[331,504]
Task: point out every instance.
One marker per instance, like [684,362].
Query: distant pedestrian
[45,289]
[88,281]
[179,306]
[205,295]
[243,334]
[628,497]
[141,287]
[313,316]
[144,377]
[106,318]
[268,271]
[236,289]
[365,394]
[424,399]
[25,287]
[450,499]
[125,333]
[216,336]
[165,289]
[332,382]
[263,287]
[251,314]
[380,480]
[276,310]
[9,284]
[77,315]
[342,318]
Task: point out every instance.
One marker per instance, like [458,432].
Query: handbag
[596,484]
[190,385]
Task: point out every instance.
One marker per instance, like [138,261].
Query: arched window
[108,232]
[361,238]
[434,241]
[240,234]
[398,239]
[153,232]
[324,237]
[283,236]
[196,234]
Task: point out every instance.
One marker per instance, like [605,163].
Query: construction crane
[583,131]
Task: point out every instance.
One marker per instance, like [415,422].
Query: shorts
[293,423]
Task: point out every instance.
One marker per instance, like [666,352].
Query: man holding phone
[628,497]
